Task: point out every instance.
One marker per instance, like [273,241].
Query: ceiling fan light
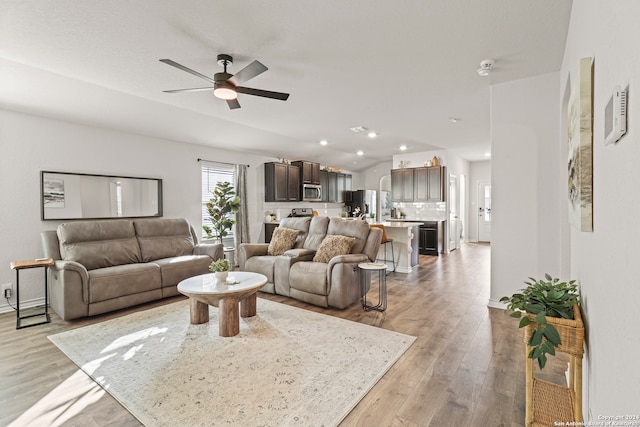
[225,93]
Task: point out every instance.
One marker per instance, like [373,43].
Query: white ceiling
[401,68]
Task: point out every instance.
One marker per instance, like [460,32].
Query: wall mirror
[66,195]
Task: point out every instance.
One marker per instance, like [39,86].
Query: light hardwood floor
[466,367]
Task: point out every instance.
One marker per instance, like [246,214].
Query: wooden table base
[228,312]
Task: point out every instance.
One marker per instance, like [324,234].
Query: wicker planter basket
[547,402]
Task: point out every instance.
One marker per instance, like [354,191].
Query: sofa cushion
[351,228]
[163,238]
[282,240]
[261,264]
[116,282]
[333,246]
[99,244]
[297,223]
[317,231]
[309,277]
[176,269]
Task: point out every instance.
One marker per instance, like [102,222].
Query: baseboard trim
[6,308]
[496,304]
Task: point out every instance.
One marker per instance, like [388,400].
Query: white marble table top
[373,266]
[236,281]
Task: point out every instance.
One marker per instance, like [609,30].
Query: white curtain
[242,217]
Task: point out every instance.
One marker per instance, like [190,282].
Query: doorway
[484,211]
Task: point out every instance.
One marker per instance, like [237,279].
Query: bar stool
[385,241]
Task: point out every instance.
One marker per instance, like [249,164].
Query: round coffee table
[203,291]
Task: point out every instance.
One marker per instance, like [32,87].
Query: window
[212,173]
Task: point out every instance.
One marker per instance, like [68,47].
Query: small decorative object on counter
[427,164]
[434,161]
[356,212]
[403,215]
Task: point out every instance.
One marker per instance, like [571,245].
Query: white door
[454,236]
[484,211]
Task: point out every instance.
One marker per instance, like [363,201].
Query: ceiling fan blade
[248,72]
[233,103]
[264,93]
[195,89]
[188,70]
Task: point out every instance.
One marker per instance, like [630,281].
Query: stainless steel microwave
[311,193]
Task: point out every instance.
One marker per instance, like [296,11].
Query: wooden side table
[32,263]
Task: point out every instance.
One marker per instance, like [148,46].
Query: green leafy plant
[543,297]
[220,265]
[223,203]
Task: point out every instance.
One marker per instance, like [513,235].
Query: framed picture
[580,164]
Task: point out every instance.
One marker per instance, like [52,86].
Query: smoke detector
[486,67]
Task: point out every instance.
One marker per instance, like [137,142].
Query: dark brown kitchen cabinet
[402,185]
[429,184]
[334,185]
[282,182]
[431,238]
[309,171]
[268,230]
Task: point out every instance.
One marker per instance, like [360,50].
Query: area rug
[287,367]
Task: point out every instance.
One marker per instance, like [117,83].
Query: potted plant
[223,203]
[542,301]
[220,269]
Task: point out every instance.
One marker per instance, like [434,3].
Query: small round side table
[366,269]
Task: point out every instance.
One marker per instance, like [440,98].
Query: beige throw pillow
[282,240]
[333,245]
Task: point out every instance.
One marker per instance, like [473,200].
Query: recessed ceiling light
[360,153]
[453,119]
[403,148]
[372,134]
[324,142]
[487,154]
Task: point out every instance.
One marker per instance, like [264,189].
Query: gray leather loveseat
[107,265]
[331,281]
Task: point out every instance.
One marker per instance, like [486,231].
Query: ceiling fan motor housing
[224,60]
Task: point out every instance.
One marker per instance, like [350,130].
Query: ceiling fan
[227,86]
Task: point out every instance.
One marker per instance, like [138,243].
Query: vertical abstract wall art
[580,166]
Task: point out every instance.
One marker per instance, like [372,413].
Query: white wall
[605,261]
[29,144]
[478,171]
[526,182]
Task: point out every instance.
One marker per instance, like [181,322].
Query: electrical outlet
[6,290]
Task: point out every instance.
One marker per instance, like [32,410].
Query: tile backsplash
[427,211]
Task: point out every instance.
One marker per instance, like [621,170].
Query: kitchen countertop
[401,224]
[414,220]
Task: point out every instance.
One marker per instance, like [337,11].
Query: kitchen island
[405,237]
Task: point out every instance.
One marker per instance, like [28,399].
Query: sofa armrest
[69,285]
[248,250]
[214,250]
[307,254]
[71,266]
[346,259]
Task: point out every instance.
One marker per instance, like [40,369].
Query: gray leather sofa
[335,283]
[106,265]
